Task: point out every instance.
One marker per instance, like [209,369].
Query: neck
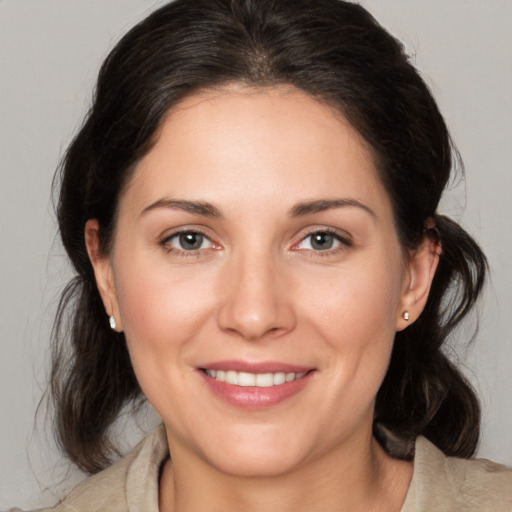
[355,478]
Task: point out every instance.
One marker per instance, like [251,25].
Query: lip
[255,397]
[255,367]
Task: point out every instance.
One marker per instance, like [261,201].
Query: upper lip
[255,367]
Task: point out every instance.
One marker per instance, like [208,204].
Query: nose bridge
[255,302]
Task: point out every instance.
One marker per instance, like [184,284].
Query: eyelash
[344,243]
[165,243]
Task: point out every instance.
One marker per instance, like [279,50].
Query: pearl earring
[112,322]
[406,315]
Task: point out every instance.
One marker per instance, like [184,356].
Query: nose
[256,300]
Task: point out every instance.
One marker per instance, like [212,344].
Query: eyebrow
[209,210]
[321,205]
[198,207]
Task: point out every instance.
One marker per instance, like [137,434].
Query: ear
[103,273]
[420,273]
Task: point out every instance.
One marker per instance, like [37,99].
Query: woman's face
[256,243]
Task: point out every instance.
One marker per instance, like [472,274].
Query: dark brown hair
[337,53]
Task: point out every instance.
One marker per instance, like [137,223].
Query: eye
[188,241]
[322,240]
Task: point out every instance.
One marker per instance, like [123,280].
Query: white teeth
[261,380]
[232,377]
[246,379]
[279,378]
[264,380]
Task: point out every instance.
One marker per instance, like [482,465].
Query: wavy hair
[337,53]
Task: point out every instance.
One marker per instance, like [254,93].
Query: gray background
[50,51]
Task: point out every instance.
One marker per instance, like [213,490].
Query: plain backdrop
[50,51]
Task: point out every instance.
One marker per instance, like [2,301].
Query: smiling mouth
[246,379]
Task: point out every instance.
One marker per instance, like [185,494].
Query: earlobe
[422,266]
[103,273]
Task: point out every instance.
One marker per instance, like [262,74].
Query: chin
[261,457]
[256,465]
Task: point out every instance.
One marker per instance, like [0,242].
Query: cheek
[354,300]
[163,314]
[161,311]
[354,311]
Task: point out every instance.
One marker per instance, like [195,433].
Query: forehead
[250,145]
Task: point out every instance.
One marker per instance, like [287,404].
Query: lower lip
[253,397]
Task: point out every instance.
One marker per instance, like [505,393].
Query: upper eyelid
[184,229]
[184,232]
[164,240]
[338,233]
[341,235]
[165,243]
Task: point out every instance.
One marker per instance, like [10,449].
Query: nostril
[255,306]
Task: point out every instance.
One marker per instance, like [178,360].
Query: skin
[258,290]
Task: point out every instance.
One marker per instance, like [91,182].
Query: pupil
[322,241]
[191,241]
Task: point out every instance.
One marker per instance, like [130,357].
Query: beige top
[439,483]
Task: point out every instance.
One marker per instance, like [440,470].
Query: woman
[250,207]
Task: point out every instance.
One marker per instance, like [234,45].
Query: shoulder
[130,484]
[442,483]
